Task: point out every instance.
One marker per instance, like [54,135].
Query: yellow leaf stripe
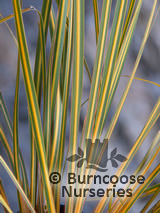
[33,103]
[120,105]
[153,117]
[120,63]
[151,200]
[12,16]
[65,90]
[46,8]
[6,115]
[155,208]
[7,147]
[127,21]
[57,54]
[87,129]
[15,135]
[150,190]
[5,204]
[7,169]
[3,195]
[109,65]
[2,192]
[56,134]
[6,144]
[33,167]
[144,165]
[141,79]
[77,84]
[140,190]
[96,18]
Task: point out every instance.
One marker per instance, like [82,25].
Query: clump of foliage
[51,80]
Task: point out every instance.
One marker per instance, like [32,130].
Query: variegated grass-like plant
[51,81]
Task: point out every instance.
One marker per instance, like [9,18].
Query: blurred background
[140,101]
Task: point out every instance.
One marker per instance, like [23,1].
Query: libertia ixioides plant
[51,80]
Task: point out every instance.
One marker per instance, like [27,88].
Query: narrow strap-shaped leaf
[109,65]
[43,25]
[11,32]
[33,167]
[127,21]
[47,117]
[148,126]
[140,190]
[155,208]
[42,58]
[43,53]
[65,98]
[55,145]
[120,105]
[52,22]
[66,90]
[144,166]
[96,18]
[87,69]
[149,156]
[46,103]
[7,147]
[12,16]
[150,190]
[3,194]
[152,119]
[6,115]
[7,169]
[150,201]
[52,30]
[87,129]
[141,79]
[150,123]
[121,59]
[40,201]
[32,103]
[10,127]
[84,102]
[63,62]
[58,2]
[46,8]
[39,207]
[56,133]
[15,135]
[123,201]
[112,49]
[77,84]
[5,204]
[57,54]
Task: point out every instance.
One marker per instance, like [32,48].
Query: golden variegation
[51,83]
